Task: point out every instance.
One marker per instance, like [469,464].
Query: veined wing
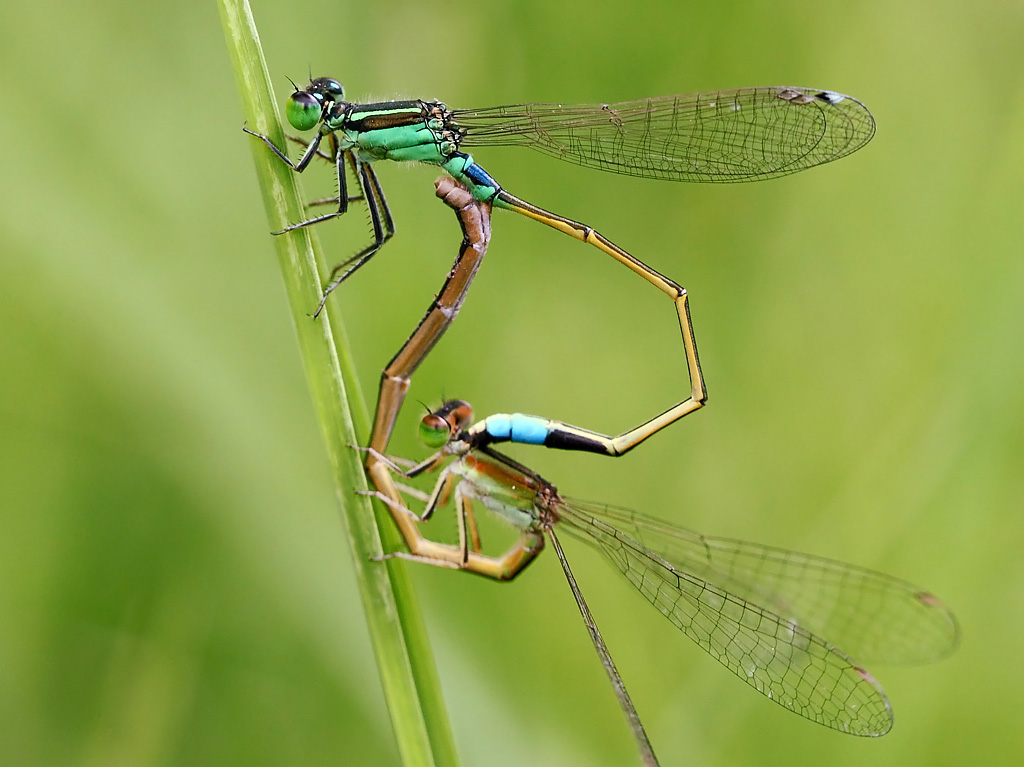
[873,617]
[759,629]
[746,134]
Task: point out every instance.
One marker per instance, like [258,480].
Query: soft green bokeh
[173,586]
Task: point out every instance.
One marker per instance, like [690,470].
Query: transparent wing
[762,612]
[872,616]
[746,134]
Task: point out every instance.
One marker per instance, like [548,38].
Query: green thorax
[402,131]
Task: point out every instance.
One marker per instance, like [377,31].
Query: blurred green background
[174,585]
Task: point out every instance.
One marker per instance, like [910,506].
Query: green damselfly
[745,134]
[795,627]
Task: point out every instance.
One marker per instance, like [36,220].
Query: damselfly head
[443,425]
[307,106]
[327,89]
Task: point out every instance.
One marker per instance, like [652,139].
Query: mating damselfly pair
[762,612]
[795,627]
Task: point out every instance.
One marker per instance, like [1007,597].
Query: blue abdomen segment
[479,182]
[516,427]
[534,430]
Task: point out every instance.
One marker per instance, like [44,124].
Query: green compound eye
[303,110]
[434,430]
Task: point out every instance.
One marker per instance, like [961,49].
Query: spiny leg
[380,218]
[313,150]
[370,190]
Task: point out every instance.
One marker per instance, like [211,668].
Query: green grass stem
[404,659]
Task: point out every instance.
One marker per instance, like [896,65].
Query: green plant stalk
[397,632]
